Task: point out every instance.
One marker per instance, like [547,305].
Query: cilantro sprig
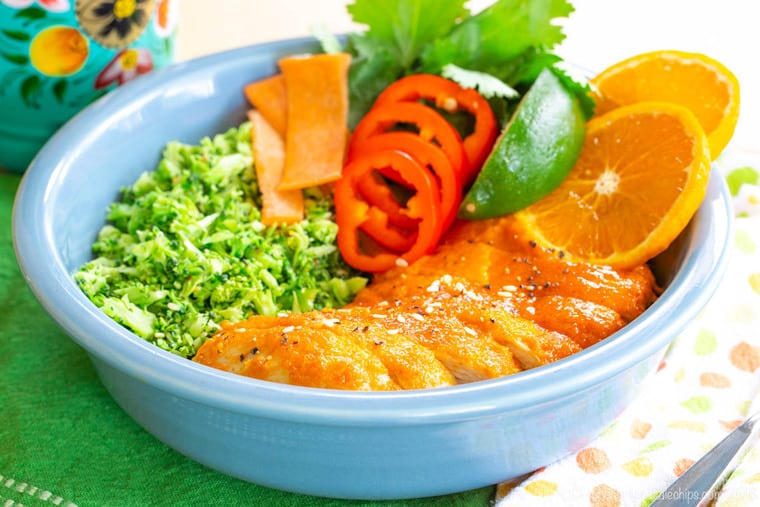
[510,41]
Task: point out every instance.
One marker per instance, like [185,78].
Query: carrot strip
[269,96]
[317,120]
[278,206]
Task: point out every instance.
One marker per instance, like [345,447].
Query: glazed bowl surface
[316,441]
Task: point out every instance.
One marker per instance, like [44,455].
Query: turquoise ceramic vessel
[58,56]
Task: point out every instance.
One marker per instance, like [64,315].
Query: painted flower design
[114,23]
[50,5]
[165,19]
[125,66]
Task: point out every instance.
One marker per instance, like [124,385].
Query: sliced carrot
[278,206]
[269,96]
[317,121]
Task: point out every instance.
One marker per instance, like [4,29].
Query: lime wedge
[533,154]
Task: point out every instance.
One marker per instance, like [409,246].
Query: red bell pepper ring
[380,229]
[352,211]
[451,97]
[379,194]
[431,127]
[429,156]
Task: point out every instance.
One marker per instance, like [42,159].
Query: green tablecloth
[64,442]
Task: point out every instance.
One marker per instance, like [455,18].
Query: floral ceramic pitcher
[58,56]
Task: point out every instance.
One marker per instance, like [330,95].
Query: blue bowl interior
[61,206]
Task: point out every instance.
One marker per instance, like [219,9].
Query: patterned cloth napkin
[706,385]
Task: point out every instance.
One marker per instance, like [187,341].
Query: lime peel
[533,155]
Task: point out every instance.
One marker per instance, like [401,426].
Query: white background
[599,33]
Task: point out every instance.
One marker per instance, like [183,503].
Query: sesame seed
[288,329]
[418,317]
[393,331]
[401,262]
[510,288]
[400,318]
[470,331]
[448,104]
[378,315]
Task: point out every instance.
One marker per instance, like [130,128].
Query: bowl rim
[57,292]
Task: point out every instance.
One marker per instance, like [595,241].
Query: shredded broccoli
[184,249]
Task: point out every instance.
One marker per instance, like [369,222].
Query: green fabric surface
[65,442]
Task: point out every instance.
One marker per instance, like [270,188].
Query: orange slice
[641,175]
[694,80]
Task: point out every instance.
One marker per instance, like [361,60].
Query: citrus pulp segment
[640,177]
[696,81]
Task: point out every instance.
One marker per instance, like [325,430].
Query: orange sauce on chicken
[488,303]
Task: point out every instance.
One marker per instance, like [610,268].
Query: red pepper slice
[451,97]
[377,192]
[431,127]
[352,211]
[429,156]
[379,228]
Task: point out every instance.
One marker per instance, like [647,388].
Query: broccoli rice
[184,249]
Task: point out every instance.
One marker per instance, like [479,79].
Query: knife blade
[699,485]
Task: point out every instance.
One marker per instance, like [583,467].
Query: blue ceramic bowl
[321,442]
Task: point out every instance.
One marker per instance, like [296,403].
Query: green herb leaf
[404,27]
[510,40]
[500,33]
[369,74]
[328,40]
[486,84]
[579,89]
